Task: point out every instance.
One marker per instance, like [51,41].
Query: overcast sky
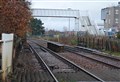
[92,6]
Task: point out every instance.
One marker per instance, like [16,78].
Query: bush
[118,35]
[73,42]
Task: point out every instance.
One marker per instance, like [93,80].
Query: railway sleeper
[23,77]
[28,76]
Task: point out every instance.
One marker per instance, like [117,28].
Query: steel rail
[95,52]
[72,63]
[48,69]
[73,51]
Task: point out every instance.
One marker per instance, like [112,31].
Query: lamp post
[69,21]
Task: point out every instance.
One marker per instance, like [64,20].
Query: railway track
[61,68]
[105,72]
[28,69]
[96,52]
[109,61]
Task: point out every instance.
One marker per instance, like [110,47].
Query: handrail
[5,41]
[1,41]
[1,71]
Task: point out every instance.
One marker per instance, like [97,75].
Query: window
[116,11]
[116,20]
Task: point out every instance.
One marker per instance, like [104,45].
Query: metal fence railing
[100,43]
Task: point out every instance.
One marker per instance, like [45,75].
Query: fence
[6,54]
[100,43]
